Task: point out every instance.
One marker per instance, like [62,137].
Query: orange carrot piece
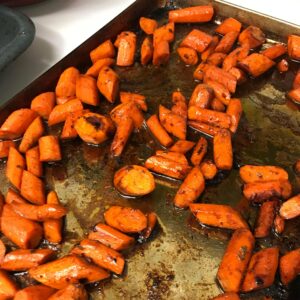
[275,51]
[197,40]
[49,148]
[13,196]
[199,71]
[201,96]
[282,66]
[193,14]
[174,156]
[14,167]
[204,128]
[146,50]
[279,224]
[291,208]
[261,270]
[294,95]
[148,25]
[4,148]
[66,85]
[294,46]
[234,110]
[179,104]
[34,165]
[43,104]
[2,249]
[199,151]
[161,53]
[164,33]
[238,74]
[8,287]
[98,65]
[252,37]
[227,42]
[71,291]
[235,260]
[36,292]
[228,25]
[216,59]
[86,90]
[289,266]
[227,296]
[151,222]
[223,156]
[220,91]
[138,99]
[182,146]
[208,169]
[68,131]
[104,50]
[296,81]
[210,49]
[108,84]
[234,57]
[126,48]
[188,56]
[217,105]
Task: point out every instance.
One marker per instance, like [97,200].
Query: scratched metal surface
[182,258]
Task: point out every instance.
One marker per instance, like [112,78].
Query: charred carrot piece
[104,50]
[199,71]
[69,131]
[217,105]
[201,96]
[222,148]
[148,25]
[227,296]
[2,250]
[64,271]
[86,90]
[234,110]
[66,85]
[294,95]
[218,215]
[197,40]
[49,148]
[151,222]
[208,169]
[252,37]
[4,148]
[108,84]
[279,224]
[72,291]
[8,287]
[229,25]
[179,104]
[191,188]
[235,260]
[289,266]
[164,33]
[26,234]
[125,219]
[111,237]
[250,173]
[234,57]
[98,65]
[14,167]
[174,156]
[204,128]
[43,104]
[291,208]
[34,165]
[265,219]
[36,292]
[199,151]
[261,270]
[126,48]
[294,46]
[13,196]
[220,91]
[260,191]
[146,51]
[227,42]
[296,81]
[161,53]
[216,59]
[275,51]
[282,66]
[210,49]
[182,146]
[238,74]
[188,56]
[138,99]
[193,14]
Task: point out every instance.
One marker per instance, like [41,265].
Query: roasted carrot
[282,66]
[275,51]
[86,90]
[188,56]
[36,292]
[98,65]
[197,40]
[73,291]
[179,104]
[260,191]
[49,148]
[227,296]
[193,14]
[148,25]
[126,48]
[199,151]
[289,266]
[34,165]
[235,260]
[204,128]
[161,53]
[104,50]
[151,222]
[138,99]
[239,74]
[173,123]
[217,105]
[43,104]
[173,156]
[265,219]
[201,96]
[261,270]
[26,234]
[146,50]
[108,84]
[66,85]
[216,59]
[252,37]
[218,215]
[4,148]
[234,57]
[182,146]
[294,46]
[208,169]
[2,249]
[256,64]
[220,91]
[14,167]
[191,188]
[291,208]
[125,219]
[279,224]
[228,25]
[294,95]
[164,33]
[66,270]
[111,237]
[210,49]
[8,287]
[296,81]
[13,196]
[134,180]
[227,42]
[234,110]
[68,131]
[199,71]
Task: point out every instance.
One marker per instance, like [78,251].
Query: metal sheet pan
[182,258]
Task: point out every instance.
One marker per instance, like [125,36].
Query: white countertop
[62,25]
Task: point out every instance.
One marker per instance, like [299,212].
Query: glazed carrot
[193,14]
[36,292]
[13,196]
[8,287]
[86,90]
[228,25]
[289,266]
[265,219]
[26,234]
[235,260]
[234,110]
[66,85]
[179,104]
[191,188]
[2,249]
[210,117]
[282,66]
[43,104]
[218,215]
[66,270]
[34,165]
[173,156]
[275,51]
[208,169]
[222,149]
[4,148]
[24,259]
[227,296]
[279,224]
[252,37]
[161,53]
[204,128]
[151,222]
[197,40]
[98,65]
[199,71]
[158,131]
[101,255]
[52,227]
[148,25]
[238,74]
[227,42]
[111,237]
[296,81]
[210,49]
[14,167]
[221,92]
[146,50]
[108,84]
[17,122]
[294,46]
[174,124]
[134,180]
[216,59]
[199,151]
[234,57]
[164,33]
[188,56]
[260,191]
[71,292]
[291,208]
[201,96]
[138,99]
[68,131]
[217,105]
[49,148]
[125,219]
[104,50]
[294,95]
[94,128]
[250,173]
[261,270]
[182,146]
[126,48]
[256,64]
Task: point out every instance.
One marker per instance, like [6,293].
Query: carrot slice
[138,99]
[71,291]
[161,53]
[289,266]
[197,40]
[291,208]
[34,165]
[86,90]
[279,224]
[193,14]
[146,51]
[43,104]
[36,292]
[234,110]
[8,287]
[227,42]
[294,46]
[148,25]
[174,156]
[216,59]
[13,196]
[98,65]
[201,96]
[179,104]
[49,148]
[239,74]
[252,37]
[108,84]
[199,71]
[2,249]
[188,56]
[151,222]
[227,296]
[217,105]
[68,131]
[221,92]
[126,48]
[210,49]
[66,85]
[182,146]
[275,51]
[208,169]
[228,25]
[4,148]
[104,50]
[234,57]
[199,151]
[282,66]
[164,33]
[204,128]
[14,167]
[295,95]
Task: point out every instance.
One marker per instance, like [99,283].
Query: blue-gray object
[16,34]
